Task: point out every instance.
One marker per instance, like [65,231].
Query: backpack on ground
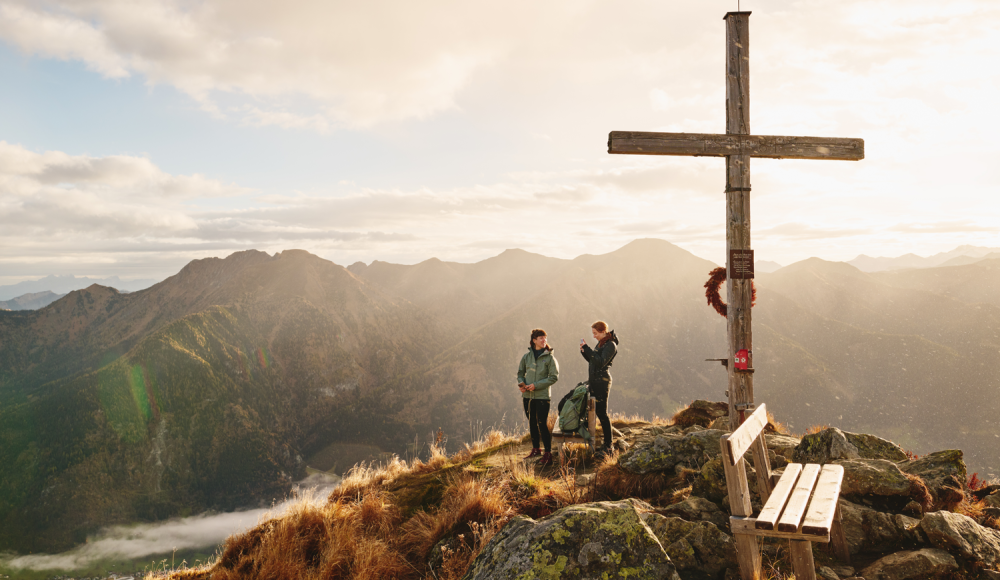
[573,412]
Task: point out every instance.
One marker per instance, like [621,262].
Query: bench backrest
[747,436]
[739,441]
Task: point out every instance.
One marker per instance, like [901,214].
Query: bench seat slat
[776,503]
[795,507]
[819,517]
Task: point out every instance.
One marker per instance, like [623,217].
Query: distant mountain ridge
[31,301]
[961,254]
[63,284]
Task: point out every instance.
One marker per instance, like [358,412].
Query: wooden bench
[591,426]
[802,505]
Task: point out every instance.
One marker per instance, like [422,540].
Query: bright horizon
[141,136]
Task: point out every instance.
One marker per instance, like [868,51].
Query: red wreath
[717,277]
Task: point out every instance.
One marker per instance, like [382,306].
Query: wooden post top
[728,14]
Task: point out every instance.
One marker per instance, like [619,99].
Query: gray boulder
[783,445]
[873,477]
[671,450]
[918,565]
[832,444]
[697,509]
[593,540]
[699,550]
[870,531]
[939,470]
[963,536]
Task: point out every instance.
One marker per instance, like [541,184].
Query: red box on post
[741,360]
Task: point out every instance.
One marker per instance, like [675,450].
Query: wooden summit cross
[737,146]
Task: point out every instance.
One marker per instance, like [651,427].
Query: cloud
[962,226]
[358,63]
[138,541]
[800,231]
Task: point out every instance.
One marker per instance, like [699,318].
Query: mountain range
[215,388]
[63,284]
[958,257]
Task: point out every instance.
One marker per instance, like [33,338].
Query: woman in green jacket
[537,372]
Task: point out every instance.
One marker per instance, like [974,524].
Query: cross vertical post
[739,291]
[738,146]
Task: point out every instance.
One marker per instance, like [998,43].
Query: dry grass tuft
[338,540]
[468,499]
[919,492]
[623,420]
[776,426]
[816,429]
[364,478]
[613,482]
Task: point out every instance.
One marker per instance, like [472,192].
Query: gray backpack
[573,412]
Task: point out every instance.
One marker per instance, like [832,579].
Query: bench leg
[837,539]
[802,559]
[748,556]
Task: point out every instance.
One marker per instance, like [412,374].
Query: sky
[137,135]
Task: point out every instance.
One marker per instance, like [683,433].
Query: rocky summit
[658,509]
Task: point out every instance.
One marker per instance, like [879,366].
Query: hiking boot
[546,459]
[535,452]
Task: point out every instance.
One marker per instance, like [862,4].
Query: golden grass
[776,425]
[815,429]
[919,492]
[366,530]
[623,420]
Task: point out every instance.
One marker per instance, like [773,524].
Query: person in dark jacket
[599,360]
[537,372]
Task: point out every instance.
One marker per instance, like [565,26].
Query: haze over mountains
[30,301]
[958,257]
[216,387]
[63,284]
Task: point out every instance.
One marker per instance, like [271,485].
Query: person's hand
[531,387]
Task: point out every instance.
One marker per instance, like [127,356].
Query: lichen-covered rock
[699,550]
[873,477]
[697,509]
[783,445]
[939,470]
[963,536]
[711,482]
[992,500]
[667,451]
[872,532]
[594,540]
[832,444]
[701,413]
[917,565]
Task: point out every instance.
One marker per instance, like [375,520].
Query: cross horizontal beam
[711,145]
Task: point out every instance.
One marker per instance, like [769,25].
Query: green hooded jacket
[542,372]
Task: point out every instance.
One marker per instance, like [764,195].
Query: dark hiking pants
[601,408]
[537,412]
